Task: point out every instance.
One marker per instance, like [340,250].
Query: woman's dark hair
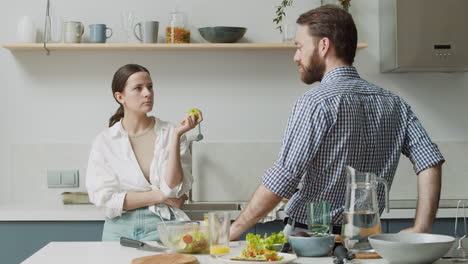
[118,85]
[336,24]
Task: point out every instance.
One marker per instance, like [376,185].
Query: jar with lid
[177,29]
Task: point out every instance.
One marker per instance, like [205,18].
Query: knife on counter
[128,242]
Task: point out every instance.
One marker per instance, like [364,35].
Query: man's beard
[315,71]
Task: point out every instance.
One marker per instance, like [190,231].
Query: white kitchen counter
[112,252]
[60,212]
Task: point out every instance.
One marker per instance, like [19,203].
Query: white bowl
[411,248]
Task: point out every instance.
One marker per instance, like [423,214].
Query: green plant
[345,4]
[280,13]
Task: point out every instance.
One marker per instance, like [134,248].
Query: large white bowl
[411,248]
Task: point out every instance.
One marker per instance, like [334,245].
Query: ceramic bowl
[312,246]
[411,248]
[222,34]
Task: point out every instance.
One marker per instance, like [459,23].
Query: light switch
[53,178]
[68,179]
[63,178]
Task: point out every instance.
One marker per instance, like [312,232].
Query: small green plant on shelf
[280,11]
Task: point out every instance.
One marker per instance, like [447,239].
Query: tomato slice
[187,239]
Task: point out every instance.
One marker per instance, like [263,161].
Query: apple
[195,112]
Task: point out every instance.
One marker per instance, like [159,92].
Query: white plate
[286,259]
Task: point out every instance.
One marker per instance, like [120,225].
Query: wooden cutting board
[175,258]
[360,255]
[368,256]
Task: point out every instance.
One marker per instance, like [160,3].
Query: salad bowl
[189,237]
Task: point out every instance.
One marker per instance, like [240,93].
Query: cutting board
[174,258]
[368,256]
[359,255]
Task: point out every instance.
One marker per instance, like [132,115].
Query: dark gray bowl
[222,34]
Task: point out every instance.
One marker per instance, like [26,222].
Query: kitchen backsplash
[222,170]
[30,163]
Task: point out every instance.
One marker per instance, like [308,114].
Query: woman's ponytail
[119,114]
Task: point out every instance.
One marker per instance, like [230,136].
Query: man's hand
[176,202]
[261,203]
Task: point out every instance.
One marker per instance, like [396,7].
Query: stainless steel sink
[197,210]
[196,206]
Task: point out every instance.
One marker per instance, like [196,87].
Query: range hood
[423,35]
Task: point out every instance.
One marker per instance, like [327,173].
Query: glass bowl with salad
[262,249]
[189,237]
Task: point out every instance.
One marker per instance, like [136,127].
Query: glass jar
[330,2]
[177,29]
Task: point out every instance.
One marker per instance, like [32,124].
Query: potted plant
[345,4]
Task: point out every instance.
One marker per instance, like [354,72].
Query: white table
[114,253]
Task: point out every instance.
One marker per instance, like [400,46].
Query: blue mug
[98,33]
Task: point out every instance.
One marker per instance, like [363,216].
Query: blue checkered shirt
[345,121]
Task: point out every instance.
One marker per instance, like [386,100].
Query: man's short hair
[336,24]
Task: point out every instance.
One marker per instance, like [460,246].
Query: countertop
[112,252]
[60,212]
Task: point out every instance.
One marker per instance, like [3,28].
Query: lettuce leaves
[270,241]
[267,242]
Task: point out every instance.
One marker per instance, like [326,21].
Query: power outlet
[63,178]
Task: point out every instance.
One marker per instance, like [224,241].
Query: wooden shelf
[155,46]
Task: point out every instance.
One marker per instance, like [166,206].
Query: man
[344,121]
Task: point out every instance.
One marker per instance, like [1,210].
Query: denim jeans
[138,224]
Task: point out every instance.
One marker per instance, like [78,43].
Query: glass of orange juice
[219,224]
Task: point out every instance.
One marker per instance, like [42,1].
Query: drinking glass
[330,2]
[218,225]
[127,20]
[289,33]
[318,217]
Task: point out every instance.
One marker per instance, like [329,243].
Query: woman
[139,161]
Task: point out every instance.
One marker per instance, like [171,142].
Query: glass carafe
[361,213]
[177,30]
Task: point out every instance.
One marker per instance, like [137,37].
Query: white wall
[245,95]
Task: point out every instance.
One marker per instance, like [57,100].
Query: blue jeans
[138,224]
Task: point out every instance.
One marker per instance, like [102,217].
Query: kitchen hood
[423,35]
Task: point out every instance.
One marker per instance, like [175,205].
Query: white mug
[26,30]
[72,32]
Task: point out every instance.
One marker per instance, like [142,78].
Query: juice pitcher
[361,213]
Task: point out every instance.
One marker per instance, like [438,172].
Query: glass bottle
[177,29]
[330,2]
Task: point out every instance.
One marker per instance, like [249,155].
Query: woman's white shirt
[113,169]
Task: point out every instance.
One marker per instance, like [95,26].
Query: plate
[286,259]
